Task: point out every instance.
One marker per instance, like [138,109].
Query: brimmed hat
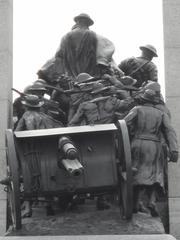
[153,86]
[32,101]
[150,96]
[84,77]
[40,81]
[128,81]
[150,48]
[85,16]
[37,86]
[27,88]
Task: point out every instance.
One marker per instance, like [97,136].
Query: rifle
[137,69]
[20,93]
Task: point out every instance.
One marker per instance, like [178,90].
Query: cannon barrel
[73,167]
[68,148]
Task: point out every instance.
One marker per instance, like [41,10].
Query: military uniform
[147,124]
[147,72]
[99,110]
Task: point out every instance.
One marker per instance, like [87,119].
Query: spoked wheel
[14,185]
[125,170]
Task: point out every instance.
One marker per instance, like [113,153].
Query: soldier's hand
[173,156]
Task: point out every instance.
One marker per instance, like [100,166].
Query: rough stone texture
[174,106]
[5,93]
[174,212]
[4,113]
[172,59]
[174,180]
[86,220]
[97,237]
[171,9]
[171,23]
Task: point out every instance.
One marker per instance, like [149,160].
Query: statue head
[153,86]
[85,18]
[149,50]
[36,89]
[32,101]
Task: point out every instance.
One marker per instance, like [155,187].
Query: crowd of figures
[84,86]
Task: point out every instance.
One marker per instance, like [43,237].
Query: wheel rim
[125,171]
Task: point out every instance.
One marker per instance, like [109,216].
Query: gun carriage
[101,163]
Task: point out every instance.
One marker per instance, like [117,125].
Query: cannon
[45,162]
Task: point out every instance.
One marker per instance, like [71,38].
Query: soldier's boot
[137,199]
[153,210]
[26,209]
[142,208]
[152,201]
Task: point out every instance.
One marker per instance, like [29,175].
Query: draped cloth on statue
[81,50]
[78,52]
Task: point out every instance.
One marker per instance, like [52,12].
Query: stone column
[6,15]
[171,10]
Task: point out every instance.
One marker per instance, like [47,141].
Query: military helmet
[150,48]
[153,86]
[128,81]
[37,87]
[84,16]
[149,95]
[84,77]
[27,88]
[41,81]
[32,101]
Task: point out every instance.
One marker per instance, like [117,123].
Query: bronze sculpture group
[86,87]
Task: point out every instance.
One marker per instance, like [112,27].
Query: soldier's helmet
[149,95]
[153,86]
[32,101]
[27,88]
[150,48]
[128,81]
[84,16]
[84,77]
[41,81]
[37,87]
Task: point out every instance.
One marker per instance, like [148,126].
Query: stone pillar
[6,15]
[171,11]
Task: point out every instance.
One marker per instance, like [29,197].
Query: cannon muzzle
[73,167]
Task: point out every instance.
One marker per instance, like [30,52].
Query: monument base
[86,220]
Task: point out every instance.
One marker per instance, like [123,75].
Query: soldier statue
[147,123]
[141,68]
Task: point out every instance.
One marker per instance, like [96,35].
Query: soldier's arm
[170,137]
[21,125]
[123,65]
[77,118]
[131,116]
[125,104]
[153,72]
[59,52]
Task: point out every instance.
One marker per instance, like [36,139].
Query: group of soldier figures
[85,86]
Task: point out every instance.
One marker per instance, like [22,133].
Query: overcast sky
[40,24]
